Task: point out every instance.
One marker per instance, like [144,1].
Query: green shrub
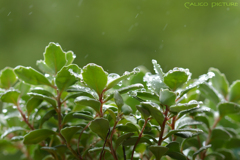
[66,112]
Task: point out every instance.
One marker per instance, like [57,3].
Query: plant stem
[24,116]
[139,137]
[111,146]
[104,145]
[124,153]
[209,136]
[163,126]
[173,126]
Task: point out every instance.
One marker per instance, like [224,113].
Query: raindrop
[4,110]
[136,70]
[143,90]
[30,13]
[165,27]
[136,16]
[112,76]
[9,13]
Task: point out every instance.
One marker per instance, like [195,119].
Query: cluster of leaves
[66,112]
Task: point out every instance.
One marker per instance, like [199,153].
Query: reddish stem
[163,126]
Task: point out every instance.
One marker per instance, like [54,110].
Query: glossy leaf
[233,143]
[65,77]
[219,82]
[10,97]
[31,76]
[98,149]
[125,90]
[122,138]
[17,138]
[33,103]
[7,78]
[44,68]
[132,141]
[144,111]
[68,132]
[42,91]
[183,130]
[217,156]
[155,112]
[95,77]
[78,94]
[158,151]
[158,70]
[220,133]
[86,101]
[203,119]
[11,130]
[146,96]
[227,154]
[167,97]
[187,121]
[43,97]
[118,100]
[176,78]
[54,57]
[200,150]
[234,92]
[183,106]
[126,110]
[111,113]
[119,79]
[209,93]
[38,135]
[226,108]
[47,116]
[70,56]
[128,127]
[83,116]
[174,151]
[100,126]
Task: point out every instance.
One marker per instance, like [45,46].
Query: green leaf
[126,110]
[112,114]
[154,83]
[155,112]
[38,135]
[125,90]
[119,79]
[47,116]
[146,96]
[68,117]
[220,134]
[183,106]
[86,101]
[176,78]
[132,141]
[158,151]
[44,68]
[234,92]
[11,130]
[217,156]
[43,97]
[83,116]
[227,154]
[10,97]
[98,149]
[54,57]
[65,77]
[17,138]
[157,68]
[78,94]
[23,88]
[183,130]
[33,103]
[209,93]
[122,138]
[174,151]
[128,127]
[203,119]
[118,100]
[70,56]
[167,97]
[95,77]
[200,150]
[219,82]
[187,121]
[144,111]
[100,126]
[226,108]
[42,91]
[233,143]
[31,76]
[68,132]
[7,78]
[186,134]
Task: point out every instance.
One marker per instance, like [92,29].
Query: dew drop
[4,110]
[136,70]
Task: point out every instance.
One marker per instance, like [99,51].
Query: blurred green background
[122,34]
